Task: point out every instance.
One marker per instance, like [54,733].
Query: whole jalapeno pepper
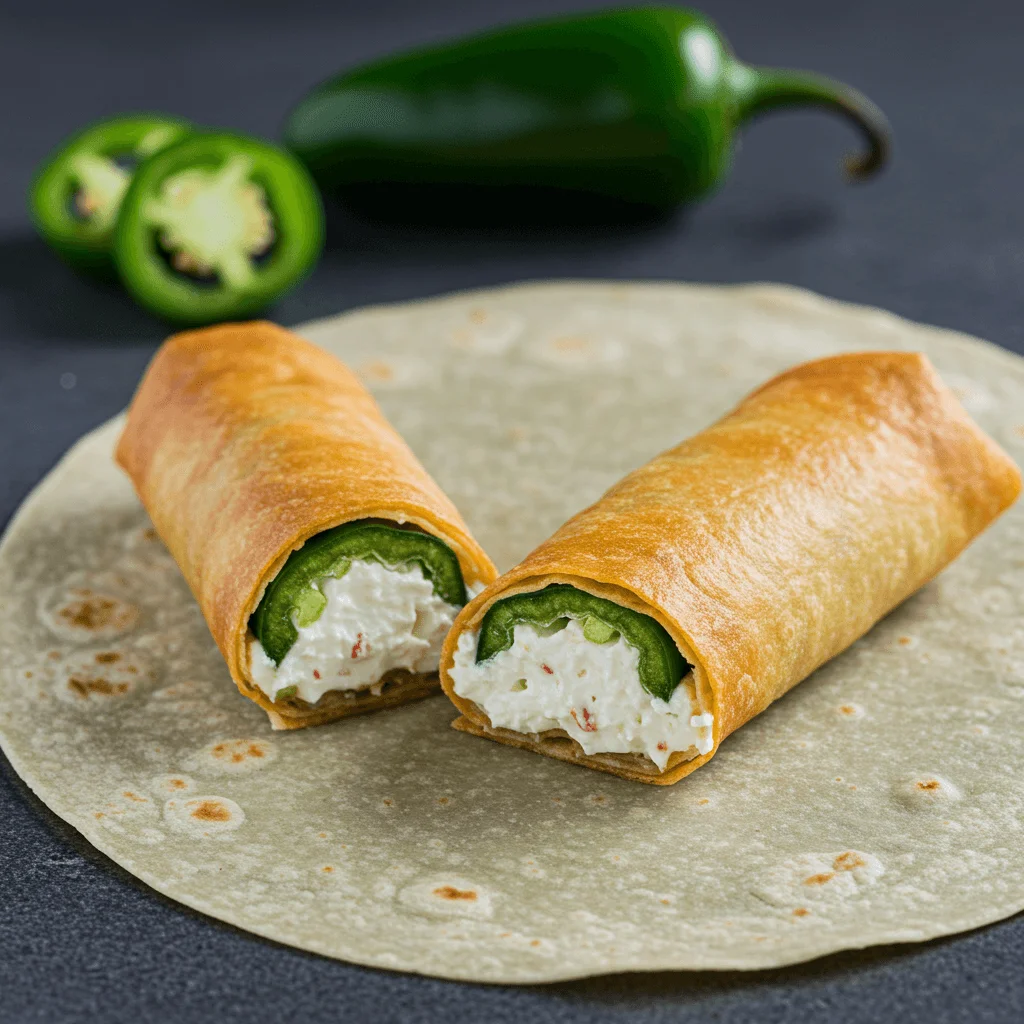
[638,106]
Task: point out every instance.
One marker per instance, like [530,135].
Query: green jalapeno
[638,106]
[294,597]
[216,227]
[77,193]
[661,666]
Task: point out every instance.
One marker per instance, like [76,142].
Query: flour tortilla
[880,801]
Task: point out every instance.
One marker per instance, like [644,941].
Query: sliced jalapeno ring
[217,227]
[77,193]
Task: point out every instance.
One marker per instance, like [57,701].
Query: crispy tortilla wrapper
[771,541]
[243,441]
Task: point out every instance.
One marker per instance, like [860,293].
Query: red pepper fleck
[663,745]
[589,724]
[547,668]
[316,673]
[357,647]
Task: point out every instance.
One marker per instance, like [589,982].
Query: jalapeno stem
[758,90]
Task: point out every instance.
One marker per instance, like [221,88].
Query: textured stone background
[937,239]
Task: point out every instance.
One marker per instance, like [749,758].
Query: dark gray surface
[939,238]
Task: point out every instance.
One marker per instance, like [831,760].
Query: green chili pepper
[294,597]
[661,667]
[216,227]
[637,106]
[76,195]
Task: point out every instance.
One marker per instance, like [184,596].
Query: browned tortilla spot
[211,810]
[825,876]
[449,892]
[83,687]
[96,613]
[848,861]
[231,753]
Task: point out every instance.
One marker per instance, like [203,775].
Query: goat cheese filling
[376,619]
[592,691]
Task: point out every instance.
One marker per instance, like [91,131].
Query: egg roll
[762,547]
[326,561]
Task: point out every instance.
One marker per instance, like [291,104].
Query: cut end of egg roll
[251,449]
[578,693]
[763,547]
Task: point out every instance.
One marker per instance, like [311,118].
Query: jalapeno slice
[661,666]
[294,598]
[217,227]
[77,193]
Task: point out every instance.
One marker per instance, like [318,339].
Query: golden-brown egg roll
[246,443]
[762,547]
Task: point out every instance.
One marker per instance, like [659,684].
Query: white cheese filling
[376,619]
[592,691]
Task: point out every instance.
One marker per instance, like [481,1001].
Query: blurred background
[937,237]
